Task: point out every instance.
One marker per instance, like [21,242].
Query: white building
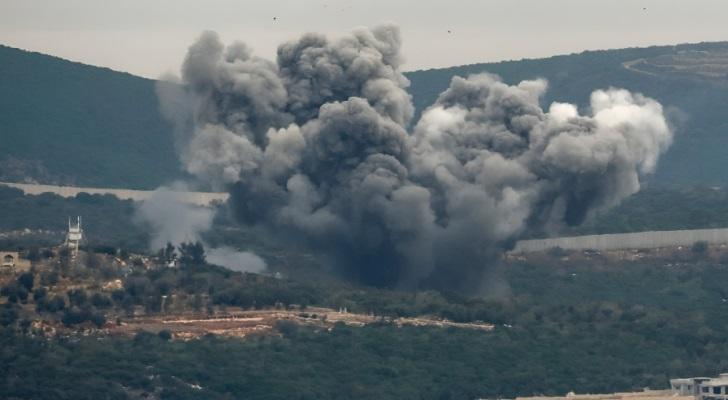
[701,387]
[715,389]
[687,386]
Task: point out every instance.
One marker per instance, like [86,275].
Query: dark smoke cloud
[314,148]
[363,64]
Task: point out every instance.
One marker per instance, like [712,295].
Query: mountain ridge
[66,122]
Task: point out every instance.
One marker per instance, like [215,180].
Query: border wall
[194,198]
[616,241]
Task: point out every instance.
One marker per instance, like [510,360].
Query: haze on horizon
[151,39]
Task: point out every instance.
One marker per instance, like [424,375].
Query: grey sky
[149,38]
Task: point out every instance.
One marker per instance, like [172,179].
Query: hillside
[690,80]
[69,123]
[65,332]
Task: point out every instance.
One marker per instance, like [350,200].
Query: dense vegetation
[663,208]
[561,328]
[353,363]
[64,122]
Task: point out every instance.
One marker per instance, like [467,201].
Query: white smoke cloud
[171,219]
[241,261]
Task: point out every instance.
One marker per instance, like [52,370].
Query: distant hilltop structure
[646,394]
[74,237]
[701,388]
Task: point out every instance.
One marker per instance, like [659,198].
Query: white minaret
[74,235]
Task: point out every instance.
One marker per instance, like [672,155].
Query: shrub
[700,247]
[287,328]
[99,300]
[39,294]
[26,280]
[98,319]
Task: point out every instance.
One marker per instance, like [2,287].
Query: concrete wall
[637,240]
[196,198]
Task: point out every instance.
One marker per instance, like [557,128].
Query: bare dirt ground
[241,323]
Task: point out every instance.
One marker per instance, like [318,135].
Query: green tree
[77,297]
[39,294]
[26,280]
[165,335]
[700,247]
[51,304]
[98,319]
[99,300]
[192,253]
[168,253]
[287,328]
[33,254]
[8,315]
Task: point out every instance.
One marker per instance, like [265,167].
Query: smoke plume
[171,220]
[174,221]
[242,261]
[315,149]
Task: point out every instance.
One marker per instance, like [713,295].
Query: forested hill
[690,80]
[70,123]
